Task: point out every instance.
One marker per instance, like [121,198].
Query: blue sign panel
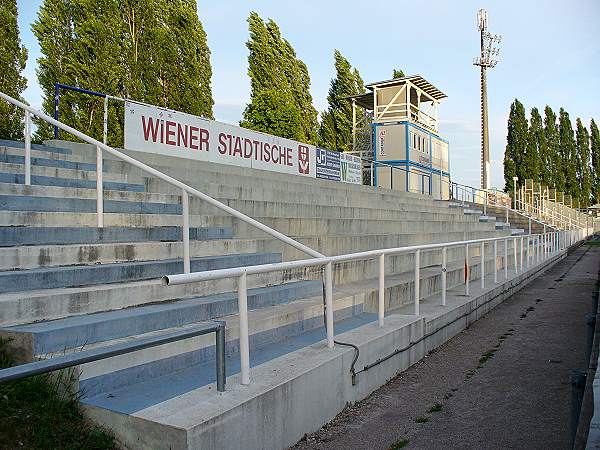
[328,165]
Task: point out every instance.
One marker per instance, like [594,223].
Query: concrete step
[58,172]
[17,236]
[49,162]
[34,256]
[78,331]
[274,324]
[5,143]
[42,180]
[74,276]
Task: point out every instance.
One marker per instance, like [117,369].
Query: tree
[273,65]
[535,138]
[153,51]
[584,178]
[595,151]
[568,153]
[335,132]
[398,74]
[555,174]
[515,146]
[13,57]
[275,111]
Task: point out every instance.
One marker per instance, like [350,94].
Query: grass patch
[437,407]
[486,357]
[400,444]
[422,419]
[40,412]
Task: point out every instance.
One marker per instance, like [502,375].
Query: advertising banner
[155,130]
[328,164]
[351,169]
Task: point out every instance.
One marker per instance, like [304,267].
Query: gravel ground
[501,384]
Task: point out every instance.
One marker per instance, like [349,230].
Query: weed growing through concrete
[422,419]
[43,412]
[400,444]
[437,407]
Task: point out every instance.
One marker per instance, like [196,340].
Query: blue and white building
[399,131]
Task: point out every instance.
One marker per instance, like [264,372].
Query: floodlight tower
[487,59]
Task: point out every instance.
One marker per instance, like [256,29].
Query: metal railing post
[467,275]
[515,253]
[527,262]
[244,341]
[530,225]
[506,259]
[27,133]
[522,268]
[417,280]
[444,270]
[495,261]
[372,174]
[329,303]
[482,270]
[185,230]
[220,351]
[381,308]
[99,188]
[105,124]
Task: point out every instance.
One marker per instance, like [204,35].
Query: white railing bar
[381,293]
[166,178]
[99,189]
[27,131]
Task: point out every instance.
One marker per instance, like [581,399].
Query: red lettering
[162,131]
[237,148]
[150,127]
[203,139]
[170,132]
[193,137]
[282,153]
[182,135]
[247,148]
[222,143]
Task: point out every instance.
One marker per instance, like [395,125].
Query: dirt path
[501,384]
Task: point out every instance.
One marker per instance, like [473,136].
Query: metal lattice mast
[484,61]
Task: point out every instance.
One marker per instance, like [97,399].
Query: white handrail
[543,245]
[166,178]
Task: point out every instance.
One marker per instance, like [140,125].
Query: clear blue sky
[550,54]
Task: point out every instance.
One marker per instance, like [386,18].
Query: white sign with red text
[155,130]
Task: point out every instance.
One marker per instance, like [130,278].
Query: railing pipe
[521,248]
[515,255]
[495,262]
[244,340]
[482,270]
[185,230]
[467,274]
[444,273]
[417,280]
[329,303]
[381,308]
[99,188]
[506,259]
[27,133]
[166,178]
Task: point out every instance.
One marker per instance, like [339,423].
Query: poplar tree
[335,132]
[278,80]
[568,153]
[532,157]
[595,151]
[555,176]
[398,74]
[584,178]
[153,51]
[13,57]
[515,146]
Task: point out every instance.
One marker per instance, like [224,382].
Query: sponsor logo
[303,160]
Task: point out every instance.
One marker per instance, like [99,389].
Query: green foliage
[13,57]
[274,66]
[583,169]
[40,412]
[552,173]
[275,111]
[568,154]
[335,132]
[595,153]
[153,51]
[515,146]
[535,140]
[398,74]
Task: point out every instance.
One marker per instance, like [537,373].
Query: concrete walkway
[501,384]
